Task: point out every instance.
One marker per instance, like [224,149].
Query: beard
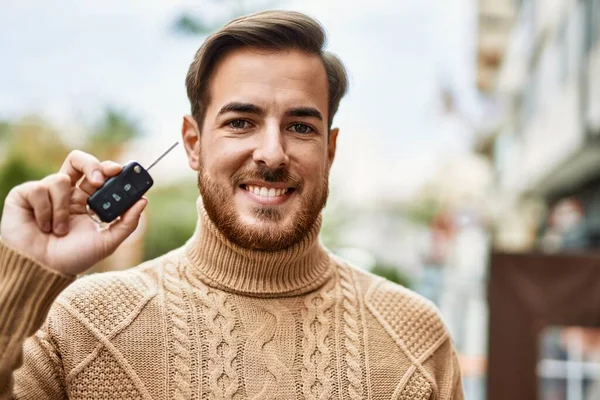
[269,236]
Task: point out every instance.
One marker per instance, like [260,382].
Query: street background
[471,127]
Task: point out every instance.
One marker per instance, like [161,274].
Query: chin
[264,216]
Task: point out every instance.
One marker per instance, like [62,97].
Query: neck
[218,262]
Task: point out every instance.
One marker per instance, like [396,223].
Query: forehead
[270,78]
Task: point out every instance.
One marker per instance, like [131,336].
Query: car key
[119,193]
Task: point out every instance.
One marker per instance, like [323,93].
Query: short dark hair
[272,30]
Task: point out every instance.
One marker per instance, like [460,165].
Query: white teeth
[266,192]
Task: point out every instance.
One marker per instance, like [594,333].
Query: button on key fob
[119,193]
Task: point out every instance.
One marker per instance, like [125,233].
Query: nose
[271,150]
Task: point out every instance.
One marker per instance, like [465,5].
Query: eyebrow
[249,108]
[304,112]
[246,108]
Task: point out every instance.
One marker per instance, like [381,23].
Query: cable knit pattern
[316,374]
[179,345]
[413,319]
[220,320]
[269,351]
[227,323]
[103,379]
[352,334]
[417,388]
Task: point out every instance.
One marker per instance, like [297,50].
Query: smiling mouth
[267,192]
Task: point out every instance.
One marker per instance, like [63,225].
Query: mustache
[266,174]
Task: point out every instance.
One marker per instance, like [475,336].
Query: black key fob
[120,193]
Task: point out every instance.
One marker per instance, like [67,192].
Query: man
[252,306]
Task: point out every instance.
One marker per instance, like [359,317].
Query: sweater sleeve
[445,369]
[457,389]
[27,290]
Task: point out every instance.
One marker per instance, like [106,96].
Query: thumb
[120,230]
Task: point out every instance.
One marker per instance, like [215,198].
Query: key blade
[162,155]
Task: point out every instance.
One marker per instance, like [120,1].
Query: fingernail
[97,176]
[61,228]
[47,227]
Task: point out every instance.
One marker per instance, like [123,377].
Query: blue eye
[301,128]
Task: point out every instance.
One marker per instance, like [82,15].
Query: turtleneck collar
[220,263]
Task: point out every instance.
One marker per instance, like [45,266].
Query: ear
[190,135]
[331,146]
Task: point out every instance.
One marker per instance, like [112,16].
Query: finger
[77,209]
[79,197]
[59,186]
[37,196]
[111,168]
[108,168]
[120,230]
[78,201]
[78,164]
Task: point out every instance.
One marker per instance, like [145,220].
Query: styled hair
[270,30]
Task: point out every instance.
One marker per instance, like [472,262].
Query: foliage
[423,212]
[335,219]
[32,151]
[420,211]
[192,24]
[30,148]
[15,171]
[113,131]
[187,24]
[4,130]
[391,273]
[172,218]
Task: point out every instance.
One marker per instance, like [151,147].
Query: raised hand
[47,219]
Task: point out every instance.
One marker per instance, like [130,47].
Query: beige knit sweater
[211,320]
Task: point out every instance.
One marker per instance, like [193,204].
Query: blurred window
[592,26]
[528,15]
[596,22]
[576,39]
[563,50]
[592,216]
[529,98]
[568,367]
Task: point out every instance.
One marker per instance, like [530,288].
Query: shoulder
[103,301]
[411,320]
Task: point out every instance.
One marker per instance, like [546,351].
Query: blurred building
[546,144]
[538,73]
[461,229]
[455,273]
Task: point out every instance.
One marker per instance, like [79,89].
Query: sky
[68,60]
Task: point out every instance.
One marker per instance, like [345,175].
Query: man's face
[264,154]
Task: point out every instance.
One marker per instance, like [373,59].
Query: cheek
[225,157]
[311,163]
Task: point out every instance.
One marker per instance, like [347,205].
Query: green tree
[15,171]
[193,24]
[172,218]
[4,130]
[391,273]
[30,148]
[111,133]
[33,150]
